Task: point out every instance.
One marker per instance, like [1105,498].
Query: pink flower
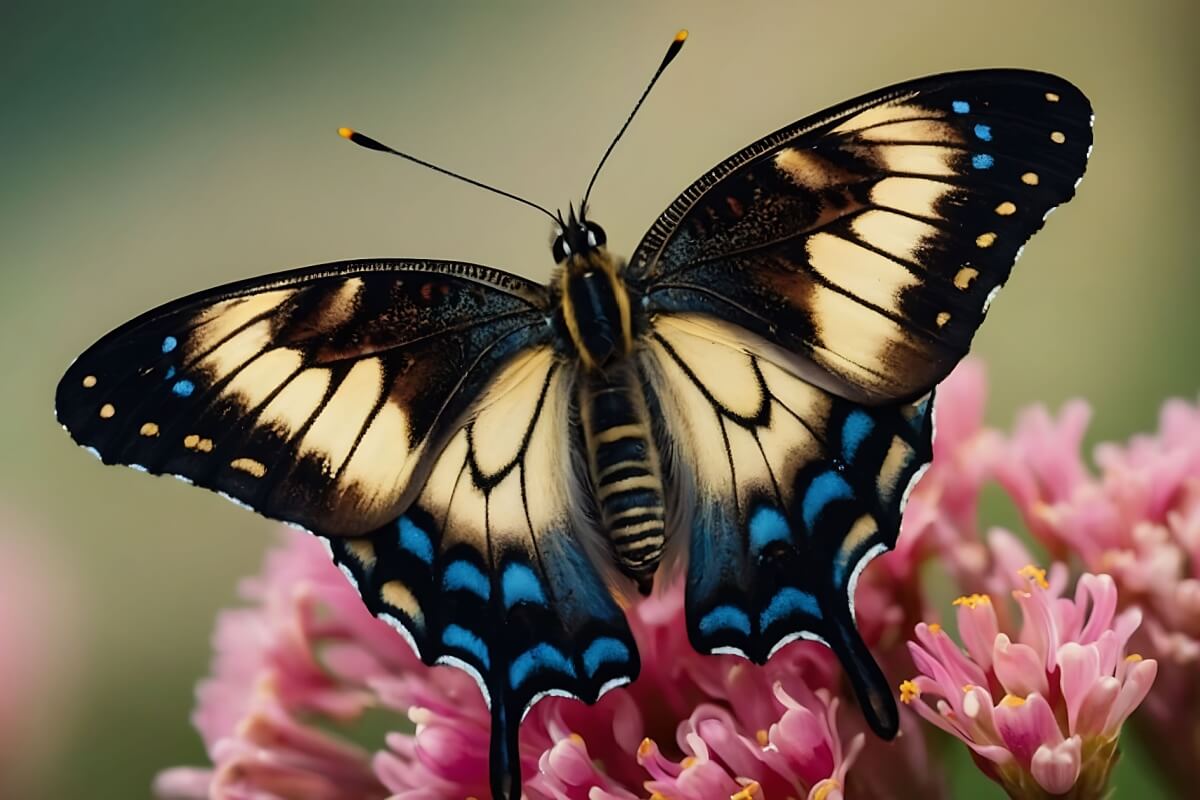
[1138,519]
[691,727]
[1042,711]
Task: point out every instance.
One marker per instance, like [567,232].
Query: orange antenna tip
[345,133]
[681,37]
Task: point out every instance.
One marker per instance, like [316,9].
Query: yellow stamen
[934,628]
[823,789]
[748,793]
[1035,574]
[645,747]
[973,600]
[577,739]
[909,691]
[1012,701]
[762,737]
[967,687]
[688,762]
[1133,658]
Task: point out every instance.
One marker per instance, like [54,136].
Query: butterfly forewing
[870,239]
[311,396]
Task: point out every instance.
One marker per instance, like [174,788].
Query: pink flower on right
[1041,708]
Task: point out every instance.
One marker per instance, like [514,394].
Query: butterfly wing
[414,415]
[871,238]
[795,488]
[485,571]
[805,297]
[312,396]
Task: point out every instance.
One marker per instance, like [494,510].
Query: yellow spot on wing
[942,318]
[1006,209]
[965,276]
[397,595]
[1052,97]
[1030,178]
[89,381]
[149,429]
[985,239]
[107,410]
[195,442]
[363,550]
[1058,137]
[249,466]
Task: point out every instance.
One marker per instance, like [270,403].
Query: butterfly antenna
[363,140]
[672,51]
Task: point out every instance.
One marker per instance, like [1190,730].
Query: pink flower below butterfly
[306,655]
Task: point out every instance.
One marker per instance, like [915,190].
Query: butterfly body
[485,456]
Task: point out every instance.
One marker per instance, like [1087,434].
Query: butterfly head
[576,238]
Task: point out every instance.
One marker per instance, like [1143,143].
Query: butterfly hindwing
[486,571]
[311,396]
[795,491]
[871,238]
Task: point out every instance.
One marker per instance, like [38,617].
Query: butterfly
[494,462]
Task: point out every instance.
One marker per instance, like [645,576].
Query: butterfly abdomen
[625,470]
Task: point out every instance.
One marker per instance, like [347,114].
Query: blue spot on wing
[767,525]
[169,343]
[825,488]
[605,650]
[982,161]
[984,132]
[459,637]
[170,373]
[466,576]
[539,657]
[786,601]
[521,584]
[183,388]
[415,540]
[723,617]
[960,106]
[855,429]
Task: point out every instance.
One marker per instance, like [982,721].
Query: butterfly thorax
[595,308]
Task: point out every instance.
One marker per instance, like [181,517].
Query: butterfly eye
[595,235]
[560,249]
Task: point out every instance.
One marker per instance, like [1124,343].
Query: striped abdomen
[625,469]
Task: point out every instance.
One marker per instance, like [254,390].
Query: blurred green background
[151,149]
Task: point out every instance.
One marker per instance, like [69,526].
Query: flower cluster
[692,727]
[1039,691]
[1041,712]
